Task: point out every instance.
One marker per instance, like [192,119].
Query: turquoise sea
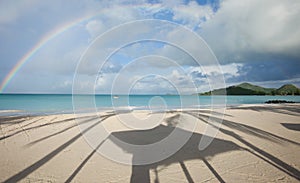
[59,103]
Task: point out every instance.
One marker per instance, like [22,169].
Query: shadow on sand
[25,172]
[141,173]
[252,148]
[189,151]
[291,126]
[288,109]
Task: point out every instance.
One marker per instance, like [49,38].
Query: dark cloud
[267,71]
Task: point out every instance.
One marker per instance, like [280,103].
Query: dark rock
[278,102]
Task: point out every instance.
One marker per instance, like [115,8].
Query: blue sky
[254,41]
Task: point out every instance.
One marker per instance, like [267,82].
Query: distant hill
[250,89]
[256,88]
[288,89]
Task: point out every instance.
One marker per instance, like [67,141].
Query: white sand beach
[255,143]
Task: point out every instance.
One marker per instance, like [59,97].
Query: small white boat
[116,96]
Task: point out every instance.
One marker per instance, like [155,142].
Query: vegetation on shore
[250,89]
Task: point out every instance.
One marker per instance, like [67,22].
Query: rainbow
[43,41]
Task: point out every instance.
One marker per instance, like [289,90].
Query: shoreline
[17,112]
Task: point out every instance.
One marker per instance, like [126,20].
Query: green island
[250,89]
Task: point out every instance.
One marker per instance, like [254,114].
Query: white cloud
[58,57]
[64,86]
[187,48]
[152,84]
[115,14]
[209,70]
[208,77]
[172,82]
[95,27]
[149,79]
[183,82]
[192,14]
[241,28]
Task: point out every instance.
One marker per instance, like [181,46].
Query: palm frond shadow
[253,149]
[282,109]
[189,151]
[22,129]
[25,172]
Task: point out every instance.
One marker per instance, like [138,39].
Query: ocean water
[58,103]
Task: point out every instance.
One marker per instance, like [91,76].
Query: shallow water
[51,103]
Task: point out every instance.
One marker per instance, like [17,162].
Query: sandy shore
[255,143]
